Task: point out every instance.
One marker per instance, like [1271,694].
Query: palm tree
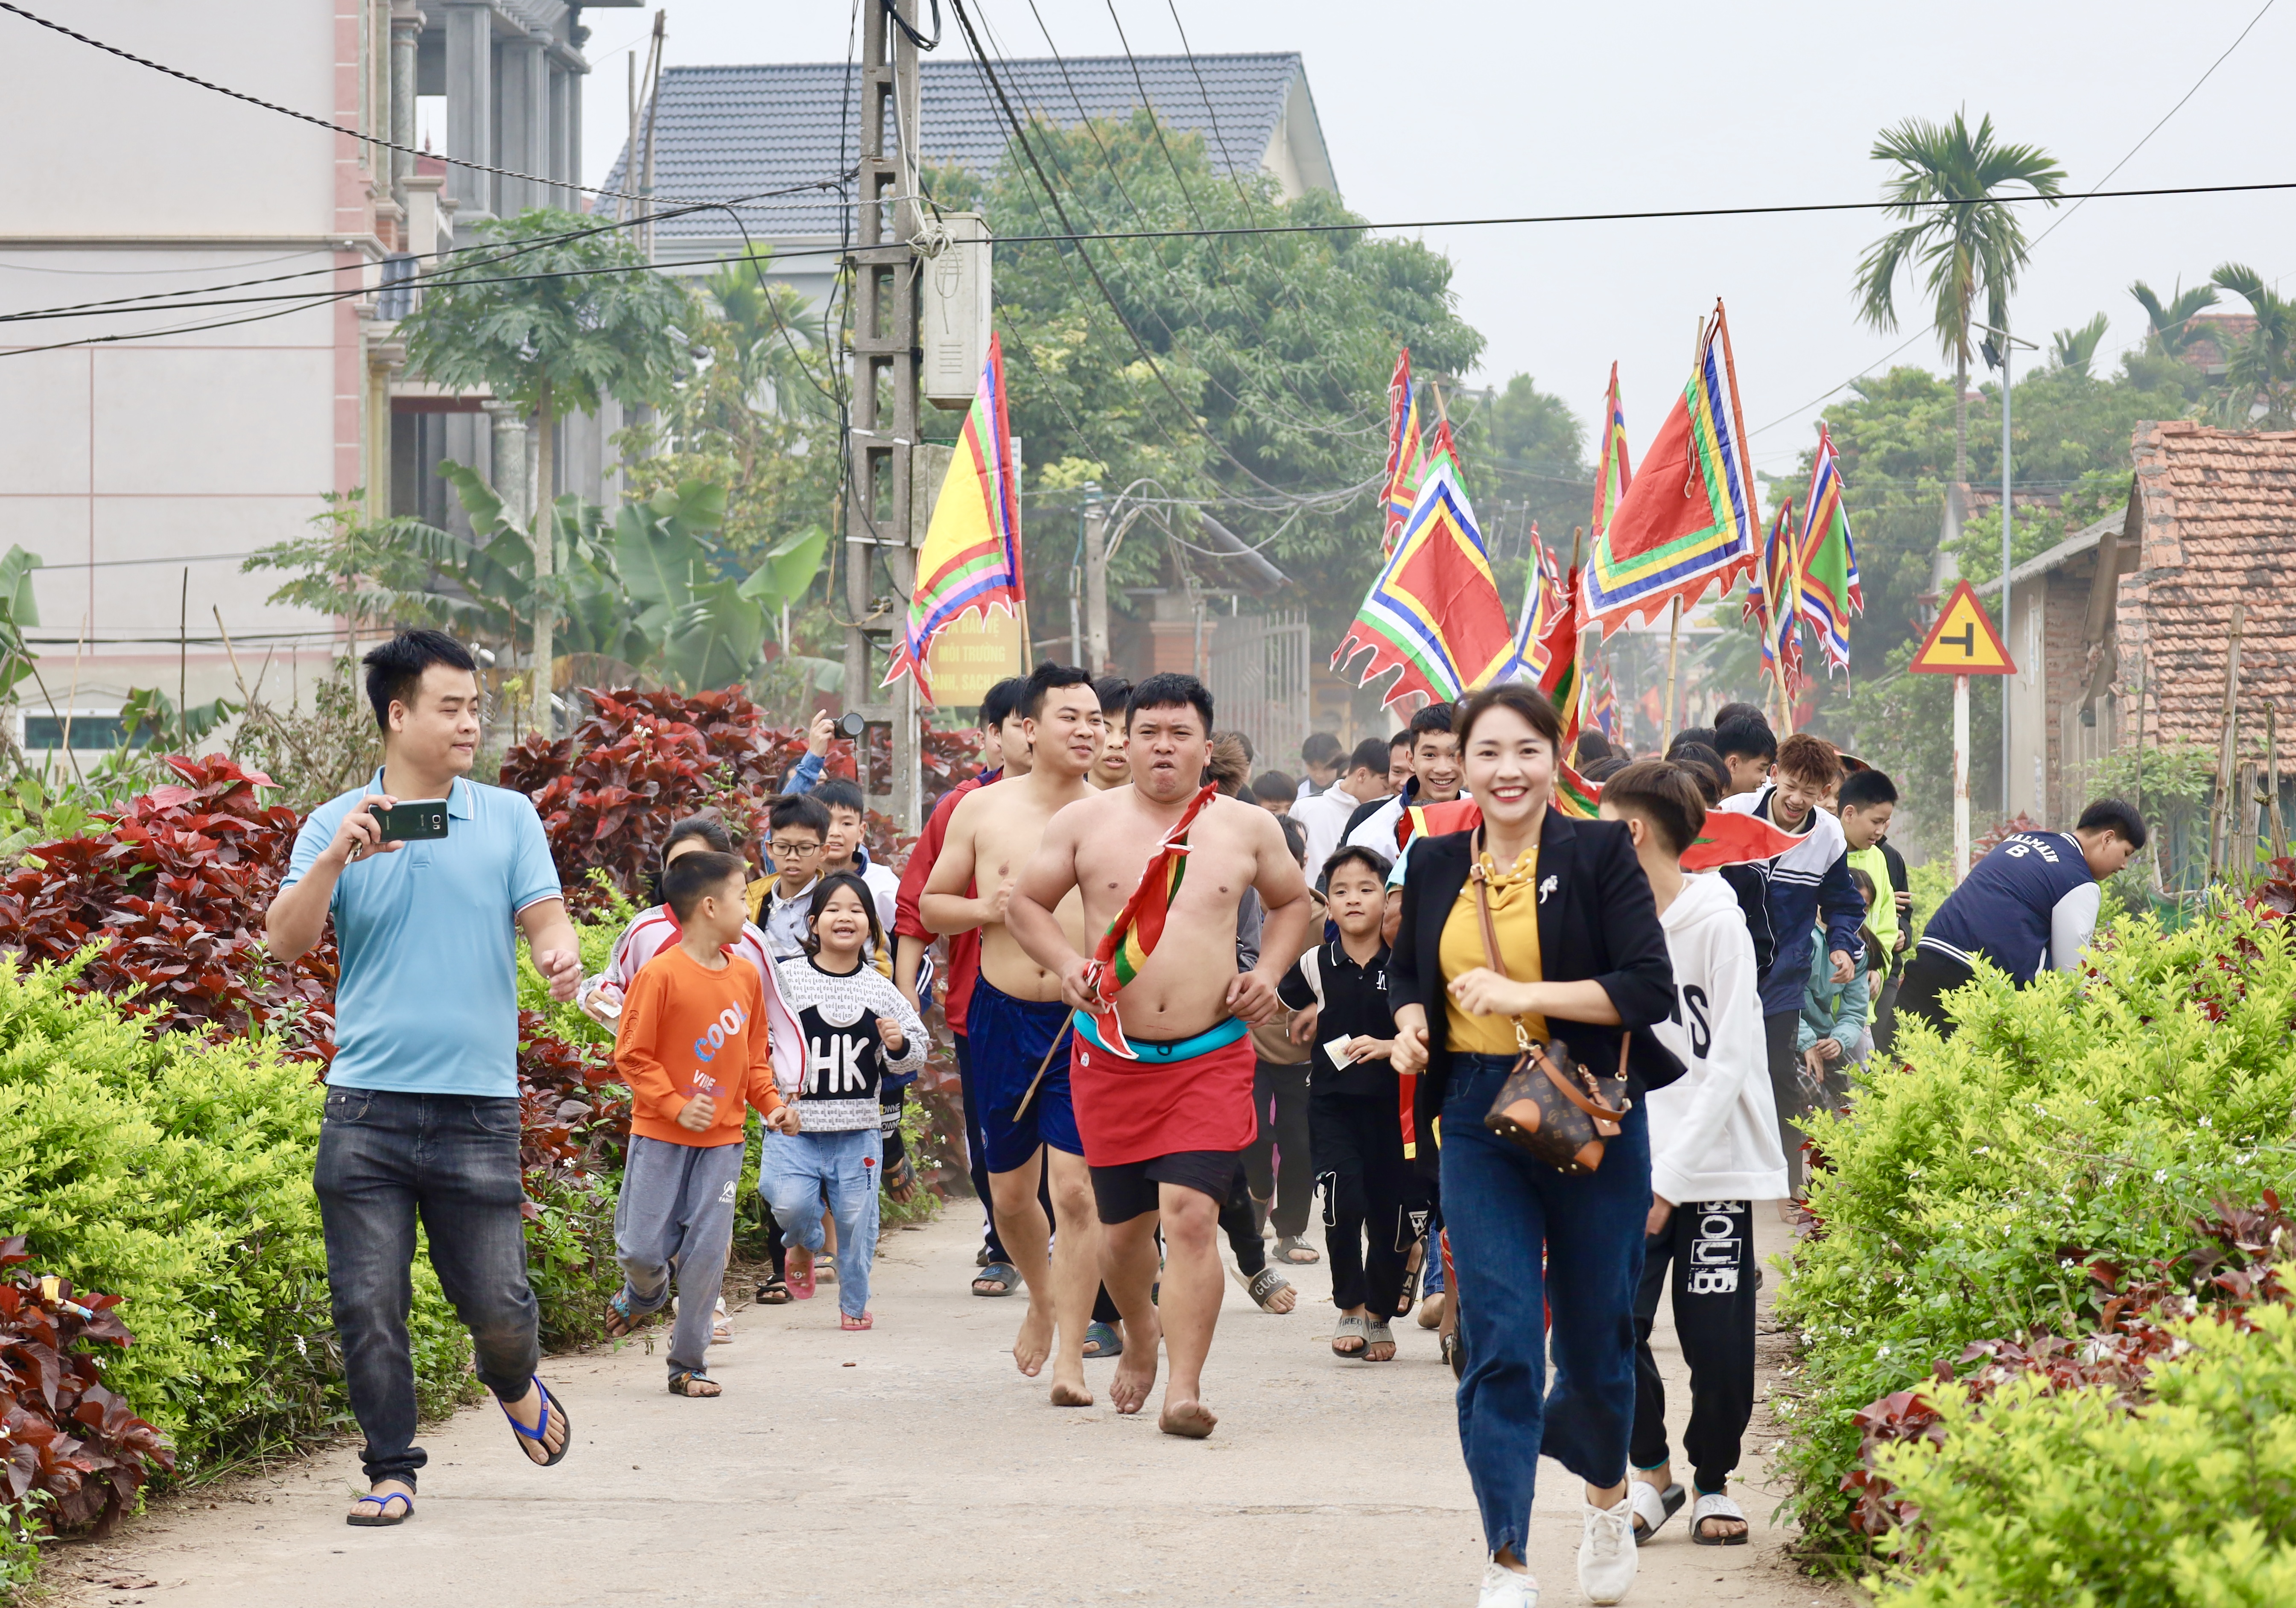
[2076,350]
[2172,321]
[1970,244]
[2260,369]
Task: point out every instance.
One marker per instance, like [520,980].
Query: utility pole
[1096,582]
[882,415]
[1998,353]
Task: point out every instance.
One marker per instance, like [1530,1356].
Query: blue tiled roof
[729,131]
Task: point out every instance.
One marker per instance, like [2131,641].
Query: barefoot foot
[1067,1394]
[1190,1419]
[1034,1343]
[1136,1370]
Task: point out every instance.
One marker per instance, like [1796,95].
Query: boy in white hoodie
[1714,1151]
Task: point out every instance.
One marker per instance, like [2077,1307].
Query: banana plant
[708,622]
[18,610]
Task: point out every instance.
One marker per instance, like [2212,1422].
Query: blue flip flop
[1102,1335]
[386,1518]
[541,1430]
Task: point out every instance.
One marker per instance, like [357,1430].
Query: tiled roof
[730,131]
[2219,527]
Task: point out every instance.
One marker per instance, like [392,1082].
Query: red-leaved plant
[70,1449]
[176,887]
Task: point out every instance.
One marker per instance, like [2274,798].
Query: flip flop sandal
[1290,1248]
[1454,1352]
[386,1519]
[1102,1341]
[540,1432]
[1264,1286]
[621,1320]
[801,1274]
[1377,1333]
[1652,1507]
[901,1182]
[984,1259]
[1003,1275]
[721,1325]
[1715,1505]
[867,1320]
[682,1384]
[1408,1296]
[824,1269]
[772,1292]
[1351,1328]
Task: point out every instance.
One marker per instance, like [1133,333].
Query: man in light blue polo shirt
[421,1107]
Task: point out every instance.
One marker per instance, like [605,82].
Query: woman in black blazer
[1584,950]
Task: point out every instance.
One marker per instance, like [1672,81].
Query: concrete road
[913,1464]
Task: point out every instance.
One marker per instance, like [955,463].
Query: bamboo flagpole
[1577,637]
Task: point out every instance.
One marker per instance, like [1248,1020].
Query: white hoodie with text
[1714,1131]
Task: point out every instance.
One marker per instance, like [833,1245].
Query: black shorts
[1123,1192]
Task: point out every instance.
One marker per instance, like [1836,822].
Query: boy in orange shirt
[694,1050]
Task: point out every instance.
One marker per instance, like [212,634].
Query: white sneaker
[1606,1551]
[1504,1587]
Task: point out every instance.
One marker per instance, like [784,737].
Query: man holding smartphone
[422,1104]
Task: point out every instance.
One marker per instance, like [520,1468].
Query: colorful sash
[1133,936]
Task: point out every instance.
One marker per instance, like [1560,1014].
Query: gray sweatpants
[675,1219]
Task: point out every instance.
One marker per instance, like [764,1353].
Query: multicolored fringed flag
[1827,561]
[1434,611]
[1133,936]
[1687,525]
[1606,707]
[1616,472]
[1402,452]
[1542,602]
[1769,601]
[971,560]
[1557,671]
[1574,795]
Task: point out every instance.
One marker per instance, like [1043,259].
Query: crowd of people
[1540,1074]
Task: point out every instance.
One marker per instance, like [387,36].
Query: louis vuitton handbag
[1550,1106]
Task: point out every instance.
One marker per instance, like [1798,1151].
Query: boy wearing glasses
[796,830]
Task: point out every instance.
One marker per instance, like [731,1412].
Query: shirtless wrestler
[1161,1129]
[1015,1015]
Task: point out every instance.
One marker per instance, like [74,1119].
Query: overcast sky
[1472,108]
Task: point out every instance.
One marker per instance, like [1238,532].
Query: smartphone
[412,821]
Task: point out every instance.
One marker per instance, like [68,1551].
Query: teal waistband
[1180,1049]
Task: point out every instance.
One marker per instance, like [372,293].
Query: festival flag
[1557,671]
[1826,562]
[1731,839]
[1402,452]
[971,560]
[1434,611]
[1606,707]
[1686,526]
[1769,600]
[1133,936]
[1574,795]
[1616,472]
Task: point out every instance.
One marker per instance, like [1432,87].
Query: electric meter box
[954,305]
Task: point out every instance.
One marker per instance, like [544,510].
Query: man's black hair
[1701,735]
[1275,787]
[1371,755]
[1864,789]
[1167,688]
[1113,689]
[2110,815]
[1357,853]
[1295,839]
[394,669]
[838,793]
[1701,759]
[1746,739]
[1321,748]
[1396,740]
[688,878]
[800,809]
[1002,702]
[1434,717]
[1047,678]
[1730,714]
[1592,745]
[820,902]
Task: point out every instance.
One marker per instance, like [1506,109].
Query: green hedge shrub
[178,1177]
[2093,1115]
[2046,1498]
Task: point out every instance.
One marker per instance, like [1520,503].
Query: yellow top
[1514,913]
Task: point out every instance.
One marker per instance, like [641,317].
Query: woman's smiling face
[1510,767]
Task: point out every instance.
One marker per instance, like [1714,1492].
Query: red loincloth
[1133,1111]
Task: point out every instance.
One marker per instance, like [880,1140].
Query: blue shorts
[1007,1039]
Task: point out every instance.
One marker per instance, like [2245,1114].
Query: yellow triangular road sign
[1963,642]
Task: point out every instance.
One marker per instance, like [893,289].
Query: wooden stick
[2225,739]
[1577,637]
[1673,648]
[1043,1067]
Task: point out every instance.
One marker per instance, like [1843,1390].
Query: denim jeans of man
[1501,1207]
[386,1159]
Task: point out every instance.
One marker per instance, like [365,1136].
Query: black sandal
[772,1292]
[539,1434]
[682,1384]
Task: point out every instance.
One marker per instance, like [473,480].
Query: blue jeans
[796,1169]
[385,1159]
[1501,1206]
